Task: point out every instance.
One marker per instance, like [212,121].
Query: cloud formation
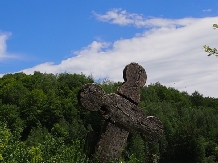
[3,47]
[3,38]
[123,18]
[170,51]
[207,10]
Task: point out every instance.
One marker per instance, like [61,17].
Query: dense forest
[41,120]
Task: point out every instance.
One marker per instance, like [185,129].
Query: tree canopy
[41,120]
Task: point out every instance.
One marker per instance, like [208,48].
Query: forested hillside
[41,120]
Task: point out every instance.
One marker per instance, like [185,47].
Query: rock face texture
[121,113]
[135,77]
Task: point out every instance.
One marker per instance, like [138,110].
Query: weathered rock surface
[135,77]
[111,144]
[121,113]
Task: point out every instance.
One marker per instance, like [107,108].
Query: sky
[99,38]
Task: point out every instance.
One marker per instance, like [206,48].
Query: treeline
[41,120]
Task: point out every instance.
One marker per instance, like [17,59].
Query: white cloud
[3,38]
[3,46]
[122,17]
[171,54]
[207,10]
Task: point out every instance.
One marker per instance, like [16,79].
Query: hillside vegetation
[41,120]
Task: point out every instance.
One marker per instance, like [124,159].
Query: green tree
[9,114]
[138,148]
[12,91]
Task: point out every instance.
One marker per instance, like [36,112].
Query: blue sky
[100,37]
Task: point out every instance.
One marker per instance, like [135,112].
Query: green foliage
[41,120]
[189,123]
[9,114]
[48,150]
[211,51]
[132,159]
[110,86]
[208,49]
[68,131]
[37,135]
[12,91]
[215,26]
[138,149]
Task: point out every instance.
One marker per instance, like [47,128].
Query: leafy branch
[208,49]
[215,26]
